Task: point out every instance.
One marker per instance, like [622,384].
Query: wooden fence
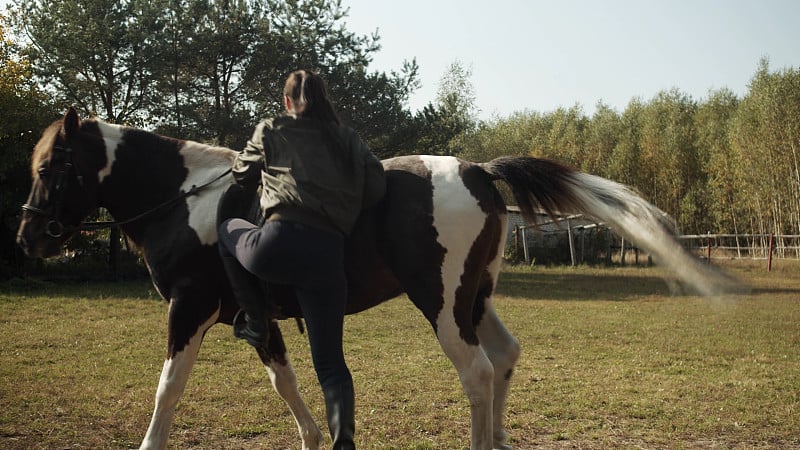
[567,237]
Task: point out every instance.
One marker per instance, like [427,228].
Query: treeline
[722,164]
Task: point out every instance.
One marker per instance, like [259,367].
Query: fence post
[708,251]
[571,243]
[525,245]
[769,259]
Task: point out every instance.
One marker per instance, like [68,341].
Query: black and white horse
[438,236]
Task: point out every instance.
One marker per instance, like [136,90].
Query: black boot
[250,322]
[340,409]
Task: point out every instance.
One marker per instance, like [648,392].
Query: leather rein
[55,228]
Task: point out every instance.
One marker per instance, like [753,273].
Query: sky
[532,55]
[539,55]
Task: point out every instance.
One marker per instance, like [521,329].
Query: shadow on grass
[777,291]
[580,286]
[21,287]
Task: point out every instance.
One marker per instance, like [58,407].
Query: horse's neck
[159,156]
[156,169]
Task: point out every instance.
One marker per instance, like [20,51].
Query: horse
[438,235]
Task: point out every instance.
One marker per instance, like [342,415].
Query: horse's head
[65,186]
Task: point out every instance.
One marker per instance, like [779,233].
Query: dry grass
[610,360]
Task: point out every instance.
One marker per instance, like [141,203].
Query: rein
[194,190]
[54,226]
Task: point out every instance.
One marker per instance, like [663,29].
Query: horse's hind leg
[476,374]
[181,356]
[503,351]
[498,343]
[284,380]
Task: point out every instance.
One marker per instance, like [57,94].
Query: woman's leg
[324,313]
[322,293]
[238,241]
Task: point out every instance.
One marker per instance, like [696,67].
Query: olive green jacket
[312,172]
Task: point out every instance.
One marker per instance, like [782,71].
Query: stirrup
[241,330]
[239,322]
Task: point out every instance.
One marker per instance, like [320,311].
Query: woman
[317,176]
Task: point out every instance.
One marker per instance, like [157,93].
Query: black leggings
[312,262]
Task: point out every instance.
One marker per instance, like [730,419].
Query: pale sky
[539,55]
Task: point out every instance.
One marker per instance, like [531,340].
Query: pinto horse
[438,235]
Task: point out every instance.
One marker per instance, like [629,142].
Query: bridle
[55,228]
[59,184]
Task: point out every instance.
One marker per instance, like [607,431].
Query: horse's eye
[43,172]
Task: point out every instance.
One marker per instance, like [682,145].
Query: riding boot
[340,409]
[250,322]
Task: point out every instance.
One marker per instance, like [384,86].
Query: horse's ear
[71,122]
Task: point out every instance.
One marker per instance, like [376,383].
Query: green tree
[209,69]
[565,139]
[670,161]
[448,124]
[312,34]
[501,137]
[725,206]
[601,136]
[766,136]
[206,54]
[96,55]
[25,112]
[626,156]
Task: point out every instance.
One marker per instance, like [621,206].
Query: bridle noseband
[60,179]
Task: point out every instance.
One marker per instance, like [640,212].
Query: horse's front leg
[182,353]
[284,380]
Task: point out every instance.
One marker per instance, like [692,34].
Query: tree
[669,156]
[446,125]
[601,136]
[25,112]
[565,141]
[96,55]
[766,136]
[725,207]
[626,157]
[208,70]
[202,71]
[311,34]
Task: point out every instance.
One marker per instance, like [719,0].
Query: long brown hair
[309,96]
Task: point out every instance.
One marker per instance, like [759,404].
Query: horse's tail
[556,188]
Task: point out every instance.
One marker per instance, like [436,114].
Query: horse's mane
[43,147]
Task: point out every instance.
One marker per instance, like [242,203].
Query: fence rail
[554,238]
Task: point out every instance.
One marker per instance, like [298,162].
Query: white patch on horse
[205,163]
[112,136]
[458,219]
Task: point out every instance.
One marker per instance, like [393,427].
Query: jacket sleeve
[374,178]
[250,161]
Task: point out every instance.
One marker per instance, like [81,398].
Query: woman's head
[305,95]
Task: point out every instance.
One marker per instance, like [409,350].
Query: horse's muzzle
[42,246]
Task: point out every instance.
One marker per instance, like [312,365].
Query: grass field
[610,360]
